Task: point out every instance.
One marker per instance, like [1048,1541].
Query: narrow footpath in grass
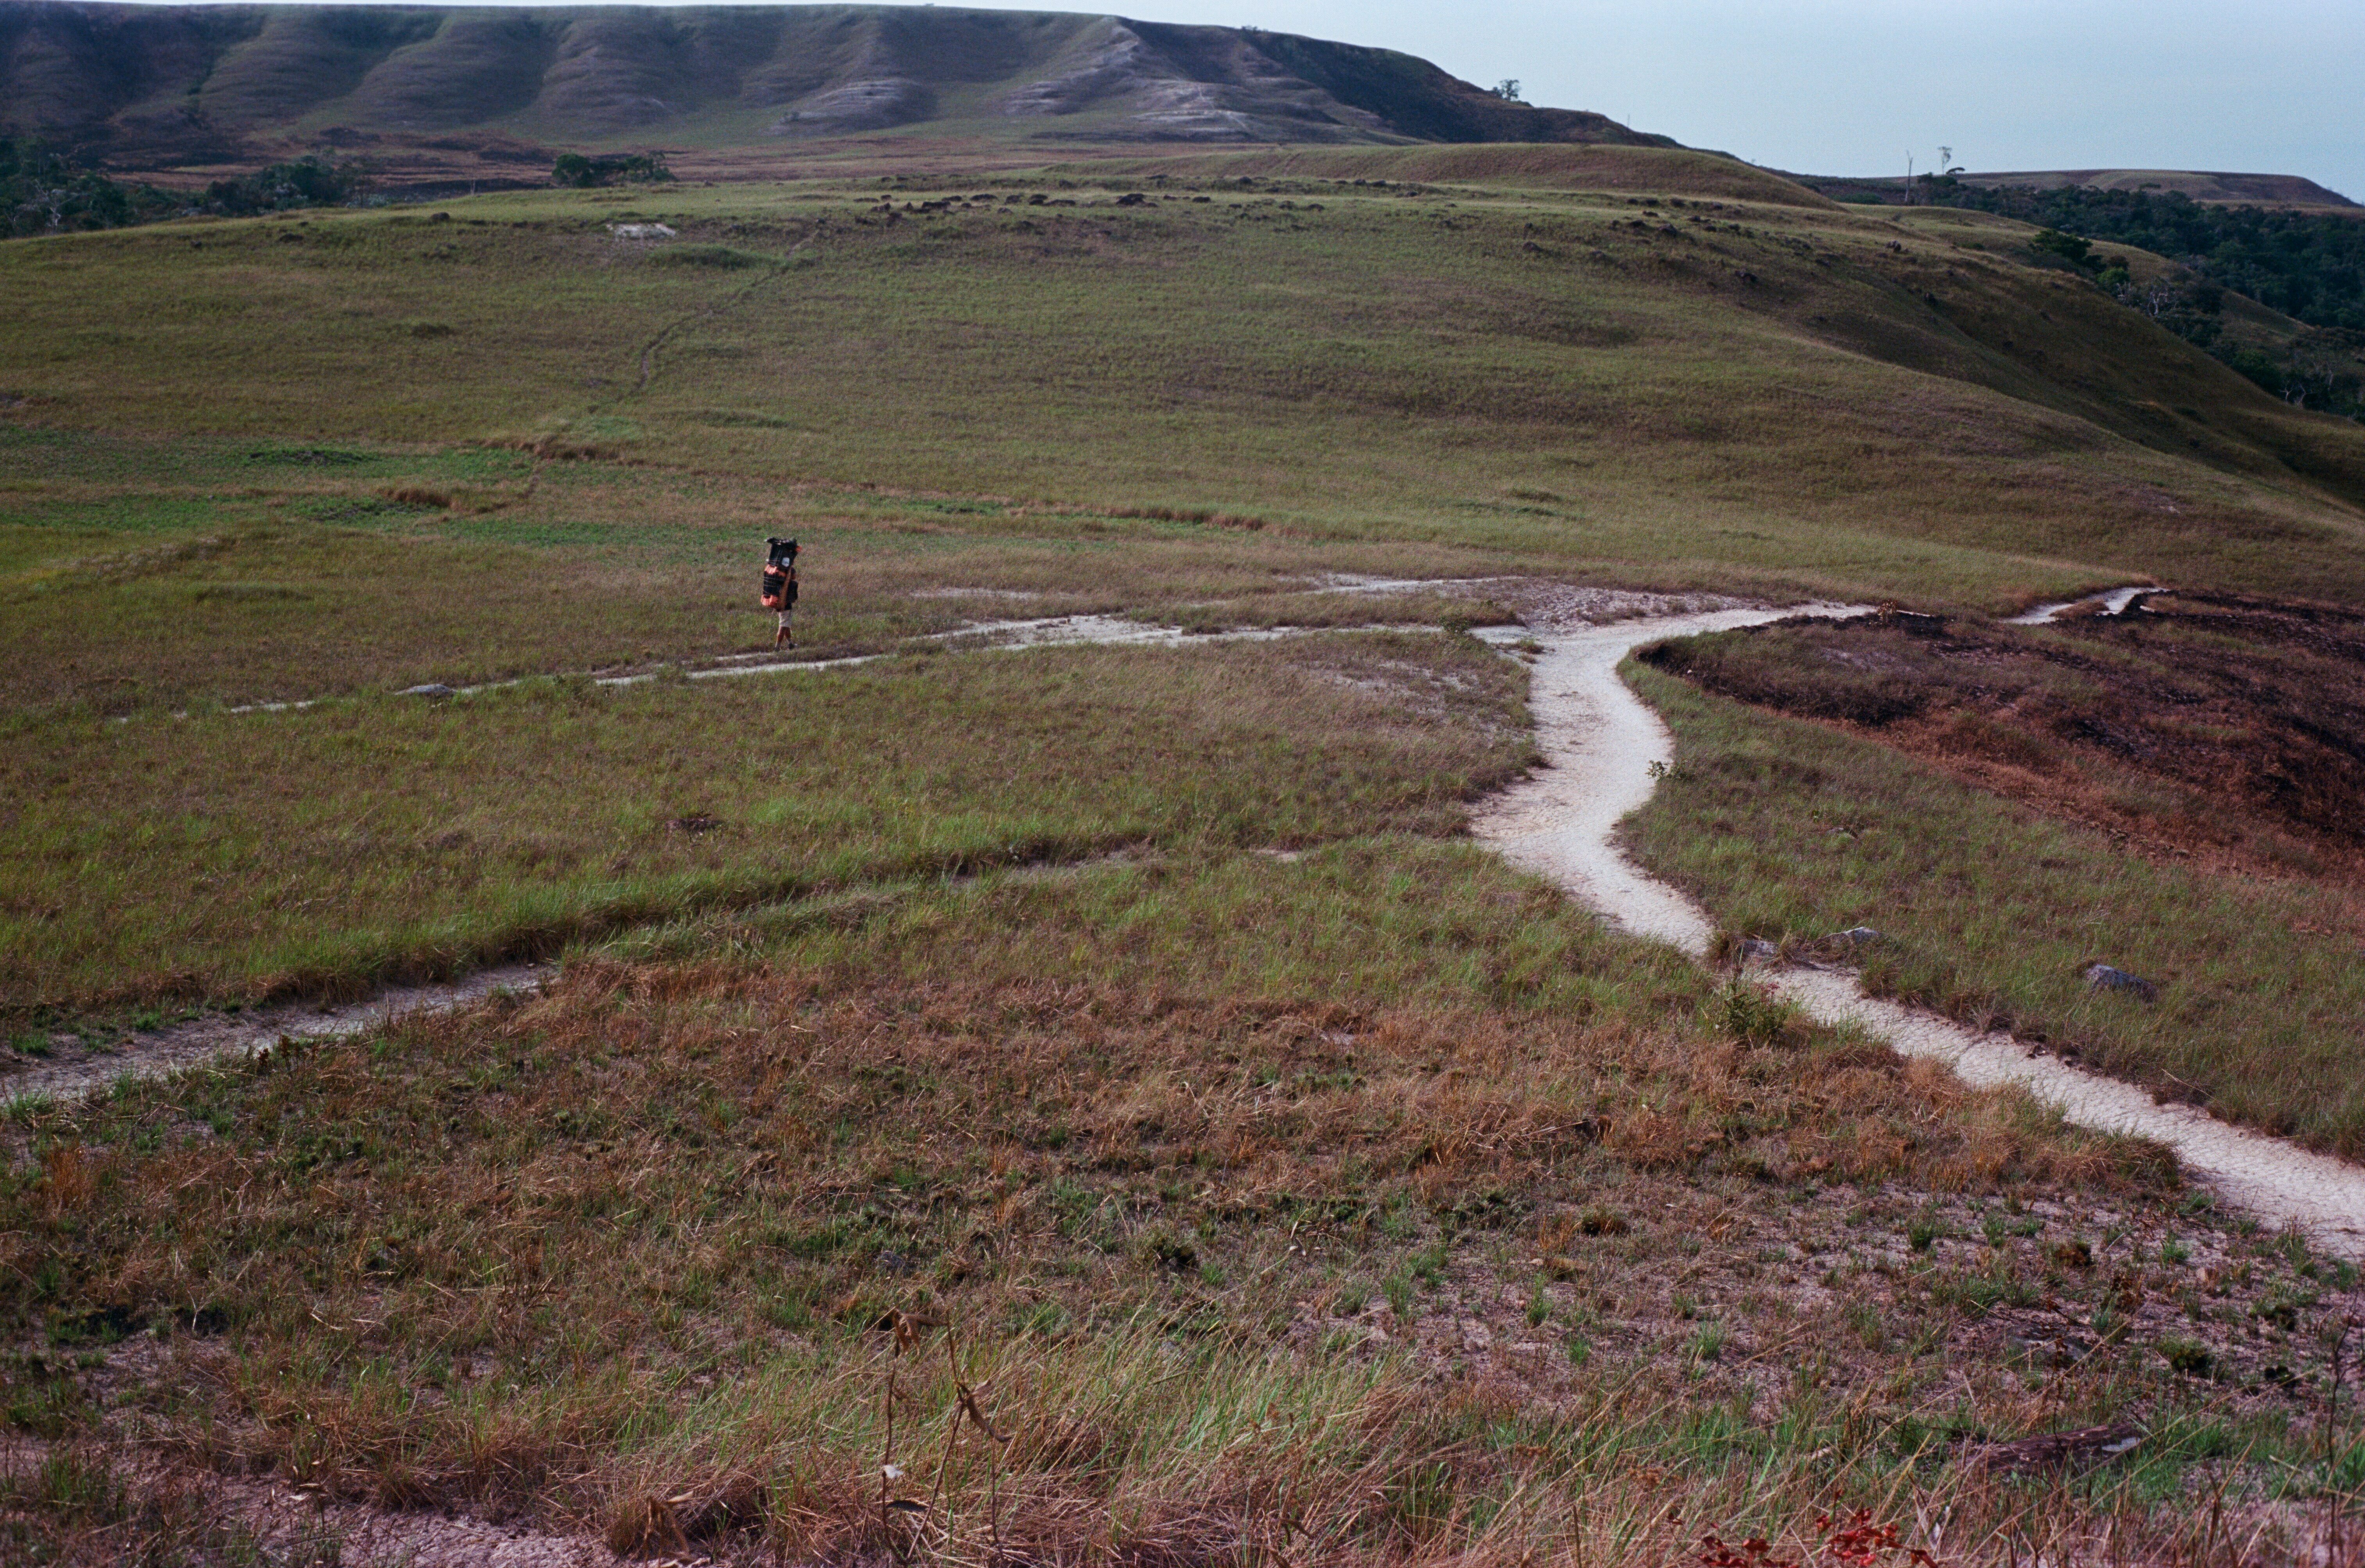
[1607,751]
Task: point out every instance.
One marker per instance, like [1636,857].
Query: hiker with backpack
[780,586]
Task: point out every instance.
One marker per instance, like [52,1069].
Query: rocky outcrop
[1245,84]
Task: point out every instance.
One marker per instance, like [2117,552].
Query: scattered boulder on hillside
[2103,977]
[1854,937]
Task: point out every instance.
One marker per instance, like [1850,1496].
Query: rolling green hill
[1640,361]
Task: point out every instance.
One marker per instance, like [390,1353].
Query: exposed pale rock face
[1192,84]
[875,104]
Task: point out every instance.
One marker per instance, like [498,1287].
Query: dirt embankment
[2209,728]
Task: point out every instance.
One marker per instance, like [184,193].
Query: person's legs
[784,635]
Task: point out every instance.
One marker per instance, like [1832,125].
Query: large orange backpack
[780,588]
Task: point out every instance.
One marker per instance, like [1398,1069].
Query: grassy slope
[331,589]
[391,835]
[490,1260]
[515,446]
[1509,371]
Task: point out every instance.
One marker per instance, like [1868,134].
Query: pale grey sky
[1851,87]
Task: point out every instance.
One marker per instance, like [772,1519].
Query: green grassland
[389,837]
[1503,369]
[1529,375]
[1296,1180]
[155,573]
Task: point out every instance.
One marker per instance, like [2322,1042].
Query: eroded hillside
[160,86]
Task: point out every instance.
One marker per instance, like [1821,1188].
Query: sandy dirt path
[1606,748]
[156,1052]
[2114,602]
[1601,741]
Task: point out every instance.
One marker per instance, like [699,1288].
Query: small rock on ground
[2103,977]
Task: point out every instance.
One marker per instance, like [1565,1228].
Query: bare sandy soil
[1600,741]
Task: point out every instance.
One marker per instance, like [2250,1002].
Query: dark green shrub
[2075,249]
[577,172]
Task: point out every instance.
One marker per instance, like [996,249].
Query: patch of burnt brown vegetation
[1995,912]
[2198,724]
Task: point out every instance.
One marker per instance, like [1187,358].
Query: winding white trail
[1602,742]
[2114,601]
[993,636]
[156,1052]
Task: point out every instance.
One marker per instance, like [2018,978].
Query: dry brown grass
[601,1259]
[1235,1263]
[2207,724]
